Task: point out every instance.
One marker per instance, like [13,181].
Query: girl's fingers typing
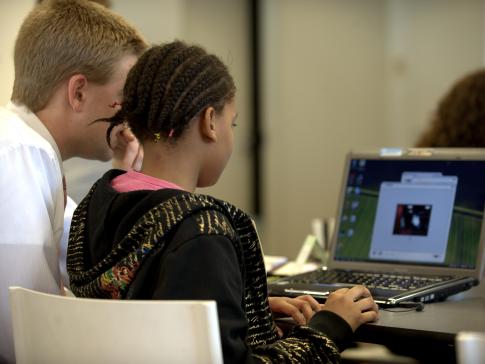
[369,316]
[359,292]
[366,304]
[315,306]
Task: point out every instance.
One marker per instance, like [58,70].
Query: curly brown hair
[459,120]
[169,85]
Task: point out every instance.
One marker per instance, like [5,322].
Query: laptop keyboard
[371,280]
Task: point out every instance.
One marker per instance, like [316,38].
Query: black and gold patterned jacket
[170,244]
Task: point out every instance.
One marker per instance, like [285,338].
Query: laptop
[409,226]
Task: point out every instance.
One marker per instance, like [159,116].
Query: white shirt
[31,211]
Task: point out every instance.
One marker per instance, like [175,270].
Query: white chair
[58,329]
[470,347]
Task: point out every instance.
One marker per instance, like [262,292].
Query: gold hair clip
[156,137]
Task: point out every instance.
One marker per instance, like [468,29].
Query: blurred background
[321,78]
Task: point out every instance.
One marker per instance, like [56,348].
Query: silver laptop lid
[412,210]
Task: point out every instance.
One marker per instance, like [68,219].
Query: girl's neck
[172,165]
[184,183]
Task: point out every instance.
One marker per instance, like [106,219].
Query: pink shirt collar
[135,181]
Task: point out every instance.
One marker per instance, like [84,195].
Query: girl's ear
[207,124]
[76,91]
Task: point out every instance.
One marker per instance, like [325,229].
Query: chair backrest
[470,347]
[58,329]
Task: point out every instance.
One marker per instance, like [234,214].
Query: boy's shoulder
[14,129]
[16,136]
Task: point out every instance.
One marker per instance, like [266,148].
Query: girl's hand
[354,305]
[301,308]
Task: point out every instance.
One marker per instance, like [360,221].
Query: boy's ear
[207,124]
[76,91]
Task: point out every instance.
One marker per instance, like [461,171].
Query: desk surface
[432,330]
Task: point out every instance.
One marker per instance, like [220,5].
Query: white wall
[159,20]
[12,13]
[323,95]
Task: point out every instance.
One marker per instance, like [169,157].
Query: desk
[429,335]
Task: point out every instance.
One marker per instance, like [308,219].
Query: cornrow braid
[136,96]
[206,91]
[164,81]
[168,112]
[197,83]
[169,86]
[185,99]
[141,88]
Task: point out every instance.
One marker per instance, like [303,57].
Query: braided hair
[170,85]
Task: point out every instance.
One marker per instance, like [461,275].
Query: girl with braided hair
[148,235]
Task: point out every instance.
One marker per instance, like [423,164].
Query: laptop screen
[426,212]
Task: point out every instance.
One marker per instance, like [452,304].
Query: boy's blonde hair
[60,38]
